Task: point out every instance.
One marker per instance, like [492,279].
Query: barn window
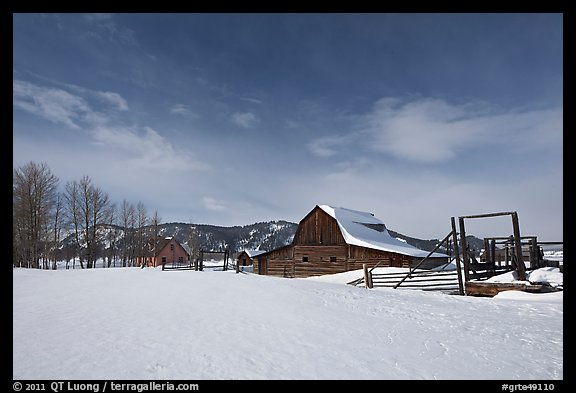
[332,259]
[305,259]
[180,259]
[172,247]
[163,260]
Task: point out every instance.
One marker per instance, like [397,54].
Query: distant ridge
[258,236]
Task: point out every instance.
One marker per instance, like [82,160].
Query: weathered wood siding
[318,228]
[244,259]
[306,261]
[273,262]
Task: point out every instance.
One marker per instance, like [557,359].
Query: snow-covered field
[130,323]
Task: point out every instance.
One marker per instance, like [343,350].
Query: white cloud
[432,130]
[327,146]
[98,17]
[183,110]
[144,148]
[113,99]
[55,105]
[213,204]
[252,100]
[246,119]
[69,105]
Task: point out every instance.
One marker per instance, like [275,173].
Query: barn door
[262,266]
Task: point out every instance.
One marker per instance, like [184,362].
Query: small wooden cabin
[246,257]
[167,251]
[334,240]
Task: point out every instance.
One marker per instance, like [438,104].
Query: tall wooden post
[457,255]
[518,248]
[367,277]
[486,251]
[534,254]
[493,253]
[464,246]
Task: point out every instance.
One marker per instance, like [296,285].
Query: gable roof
[364,230]
[164,242]
[254,253]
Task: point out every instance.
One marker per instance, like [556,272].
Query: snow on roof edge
[354,232]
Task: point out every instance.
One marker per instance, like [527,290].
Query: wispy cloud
[113,99]
[245,119]
[106,28]
[252,100]
[213,204]
[108,98]
[53,104]
[432,130]
[144,148]
[328,146]
[183,110]
[69,105]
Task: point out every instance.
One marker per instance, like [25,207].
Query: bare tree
[73,213]
[100,206]
[155,222]
[141,235]
[112,234]
[127,221]
[57,227]
[34,189]
[87,206]
[193,242]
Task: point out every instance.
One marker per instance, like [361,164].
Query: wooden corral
[199,262]
[470,272]
[319,247]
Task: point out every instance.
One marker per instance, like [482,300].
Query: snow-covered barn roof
[364,230]
[254,253]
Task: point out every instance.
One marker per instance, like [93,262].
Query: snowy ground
[130,323]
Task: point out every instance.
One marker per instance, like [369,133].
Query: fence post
[518,248]
[367,277]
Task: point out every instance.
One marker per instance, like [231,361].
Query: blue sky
[230,119]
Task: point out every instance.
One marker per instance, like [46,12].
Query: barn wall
[321,260]
[318,228]
[172,256]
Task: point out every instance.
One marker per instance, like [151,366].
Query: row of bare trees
[83,212]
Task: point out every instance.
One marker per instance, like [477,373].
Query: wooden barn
[167,251]
[333,240]
[246,257]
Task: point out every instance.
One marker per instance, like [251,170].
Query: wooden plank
[488,215]
[493,288]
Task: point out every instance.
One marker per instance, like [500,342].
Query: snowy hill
[148,324]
